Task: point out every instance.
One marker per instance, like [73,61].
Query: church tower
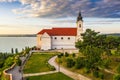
[79,27]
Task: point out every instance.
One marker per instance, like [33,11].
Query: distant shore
[18,35]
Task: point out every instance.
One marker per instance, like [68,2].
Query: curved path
[71,74]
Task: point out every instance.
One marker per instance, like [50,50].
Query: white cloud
[7,0]
[67,8]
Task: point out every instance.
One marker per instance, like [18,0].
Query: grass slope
[54,76]
[37,63]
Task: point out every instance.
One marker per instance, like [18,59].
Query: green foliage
[101,75]
[73,55]
[96,74]
[1,64]
[105,63]
[16,50]
[116,77]
[79,63]
[12,51]
[118,69]
[66,54]
[19,62]
[60,55]
[87,70]
[70,62]
[9,61]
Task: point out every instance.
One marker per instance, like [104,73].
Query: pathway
[71,74]
[16,75]
[38,74]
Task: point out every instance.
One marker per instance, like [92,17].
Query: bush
[52,68]
[8,62]
[79,63]
[116,77]
[59,56]
[95,74]
[87,70]
[101,75]
[19,62]
[106,63]
[66,54]
[70,62]
[118,68]
[62,54]
[73,55]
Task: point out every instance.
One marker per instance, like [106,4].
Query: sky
[30,16]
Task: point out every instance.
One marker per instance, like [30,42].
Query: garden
[98,57]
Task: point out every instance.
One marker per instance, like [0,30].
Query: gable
[45,35]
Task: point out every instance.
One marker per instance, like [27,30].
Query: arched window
[80,25]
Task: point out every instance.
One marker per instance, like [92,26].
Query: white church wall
[68,42]
[45,42]
[39,41]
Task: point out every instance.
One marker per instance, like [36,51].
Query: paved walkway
[38,74]
[16,75]
[71,74]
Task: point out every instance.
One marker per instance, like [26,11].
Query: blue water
[6,43]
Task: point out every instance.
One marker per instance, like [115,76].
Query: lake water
[6,43]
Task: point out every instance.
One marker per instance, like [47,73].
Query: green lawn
[54,76]
[38,63]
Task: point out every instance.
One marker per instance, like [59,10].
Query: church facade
[60,38]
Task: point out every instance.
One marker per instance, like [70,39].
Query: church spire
[79,17]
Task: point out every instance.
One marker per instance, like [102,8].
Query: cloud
[68,8]
[7,0]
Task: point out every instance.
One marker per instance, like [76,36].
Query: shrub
[87,70]
[62,54]
[73,55]
[79,63]
[116,77]
[101,75]
[95,74]
[118,68]
[59,56]
[19,62]
[66,54]
[70,62]
[8,62]
[106,63]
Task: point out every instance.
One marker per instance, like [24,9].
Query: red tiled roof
[60,31]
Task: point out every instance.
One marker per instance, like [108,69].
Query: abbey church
[60,38]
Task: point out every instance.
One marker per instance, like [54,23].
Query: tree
[70,62]
[118,69]
[12,51]
[66,54]
[79,63]
[16,50]
[116,77]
